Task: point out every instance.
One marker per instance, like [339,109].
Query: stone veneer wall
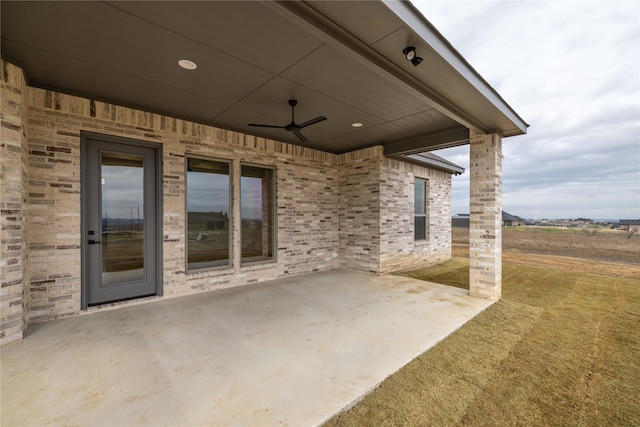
[14,298]
[352,211]
[398,249]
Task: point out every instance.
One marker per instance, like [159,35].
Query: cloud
[572,71]
[207,192]
[122,192]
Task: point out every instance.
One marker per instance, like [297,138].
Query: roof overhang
[431,161]
[342,60]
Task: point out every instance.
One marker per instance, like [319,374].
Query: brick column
[485,232]
[14,298]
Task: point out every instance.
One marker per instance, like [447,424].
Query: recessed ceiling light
[187,65]
[357,125]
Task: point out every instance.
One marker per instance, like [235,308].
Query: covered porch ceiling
[342,60]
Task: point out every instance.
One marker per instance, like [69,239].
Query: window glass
[208,191]
[420,228]
[420,209]
[420,194]
[256,212]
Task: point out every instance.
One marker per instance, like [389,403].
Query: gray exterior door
[120,220]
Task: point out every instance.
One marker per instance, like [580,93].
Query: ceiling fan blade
[266,126]
[300,136]
[312,121]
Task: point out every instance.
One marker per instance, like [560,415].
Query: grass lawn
[562,347]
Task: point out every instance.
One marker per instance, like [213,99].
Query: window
[420,209]
[208,202]
[257,213]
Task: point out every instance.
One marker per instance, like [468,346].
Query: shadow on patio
[293,351]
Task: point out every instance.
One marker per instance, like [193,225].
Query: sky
[122,192]
[208,192]
[571,70]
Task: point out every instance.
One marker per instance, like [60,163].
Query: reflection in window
[122,199]
[208,191]
[420,209]
[256,209]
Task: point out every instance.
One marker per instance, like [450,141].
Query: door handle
[93,242]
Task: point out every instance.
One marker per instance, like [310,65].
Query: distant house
[199,221]
[627,224]
[460,221]
[508,220]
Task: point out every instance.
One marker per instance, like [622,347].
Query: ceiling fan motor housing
[293,126]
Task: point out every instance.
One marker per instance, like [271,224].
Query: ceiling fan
[293,127]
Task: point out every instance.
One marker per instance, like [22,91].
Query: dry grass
[560,348]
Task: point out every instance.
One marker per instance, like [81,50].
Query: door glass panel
[122,178]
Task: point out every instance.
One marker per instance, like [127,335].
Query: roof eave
[432,162]
[408,13]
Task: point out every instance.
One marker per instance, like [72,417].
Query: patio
[294,351]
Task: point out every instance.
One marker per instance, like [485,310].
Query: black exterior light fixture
[411,55]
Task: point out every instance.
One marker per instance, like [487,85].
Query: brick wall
[53,203]
[352,211]
[376,214]
[14,298]
[306,198]
[360,209]
[398,250]
[485,224]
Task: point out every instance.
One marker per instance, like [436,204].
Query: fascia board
[414,19]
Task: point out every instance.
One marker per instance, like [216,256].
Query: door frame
[85,138]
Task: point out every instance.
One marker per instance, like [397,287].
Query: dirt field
[609,253]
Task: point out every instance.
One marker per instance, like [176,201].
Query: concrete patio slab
[287,352]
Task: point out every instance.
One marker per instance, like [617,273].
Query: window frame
[245,261]
[209,265]
[424,215]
